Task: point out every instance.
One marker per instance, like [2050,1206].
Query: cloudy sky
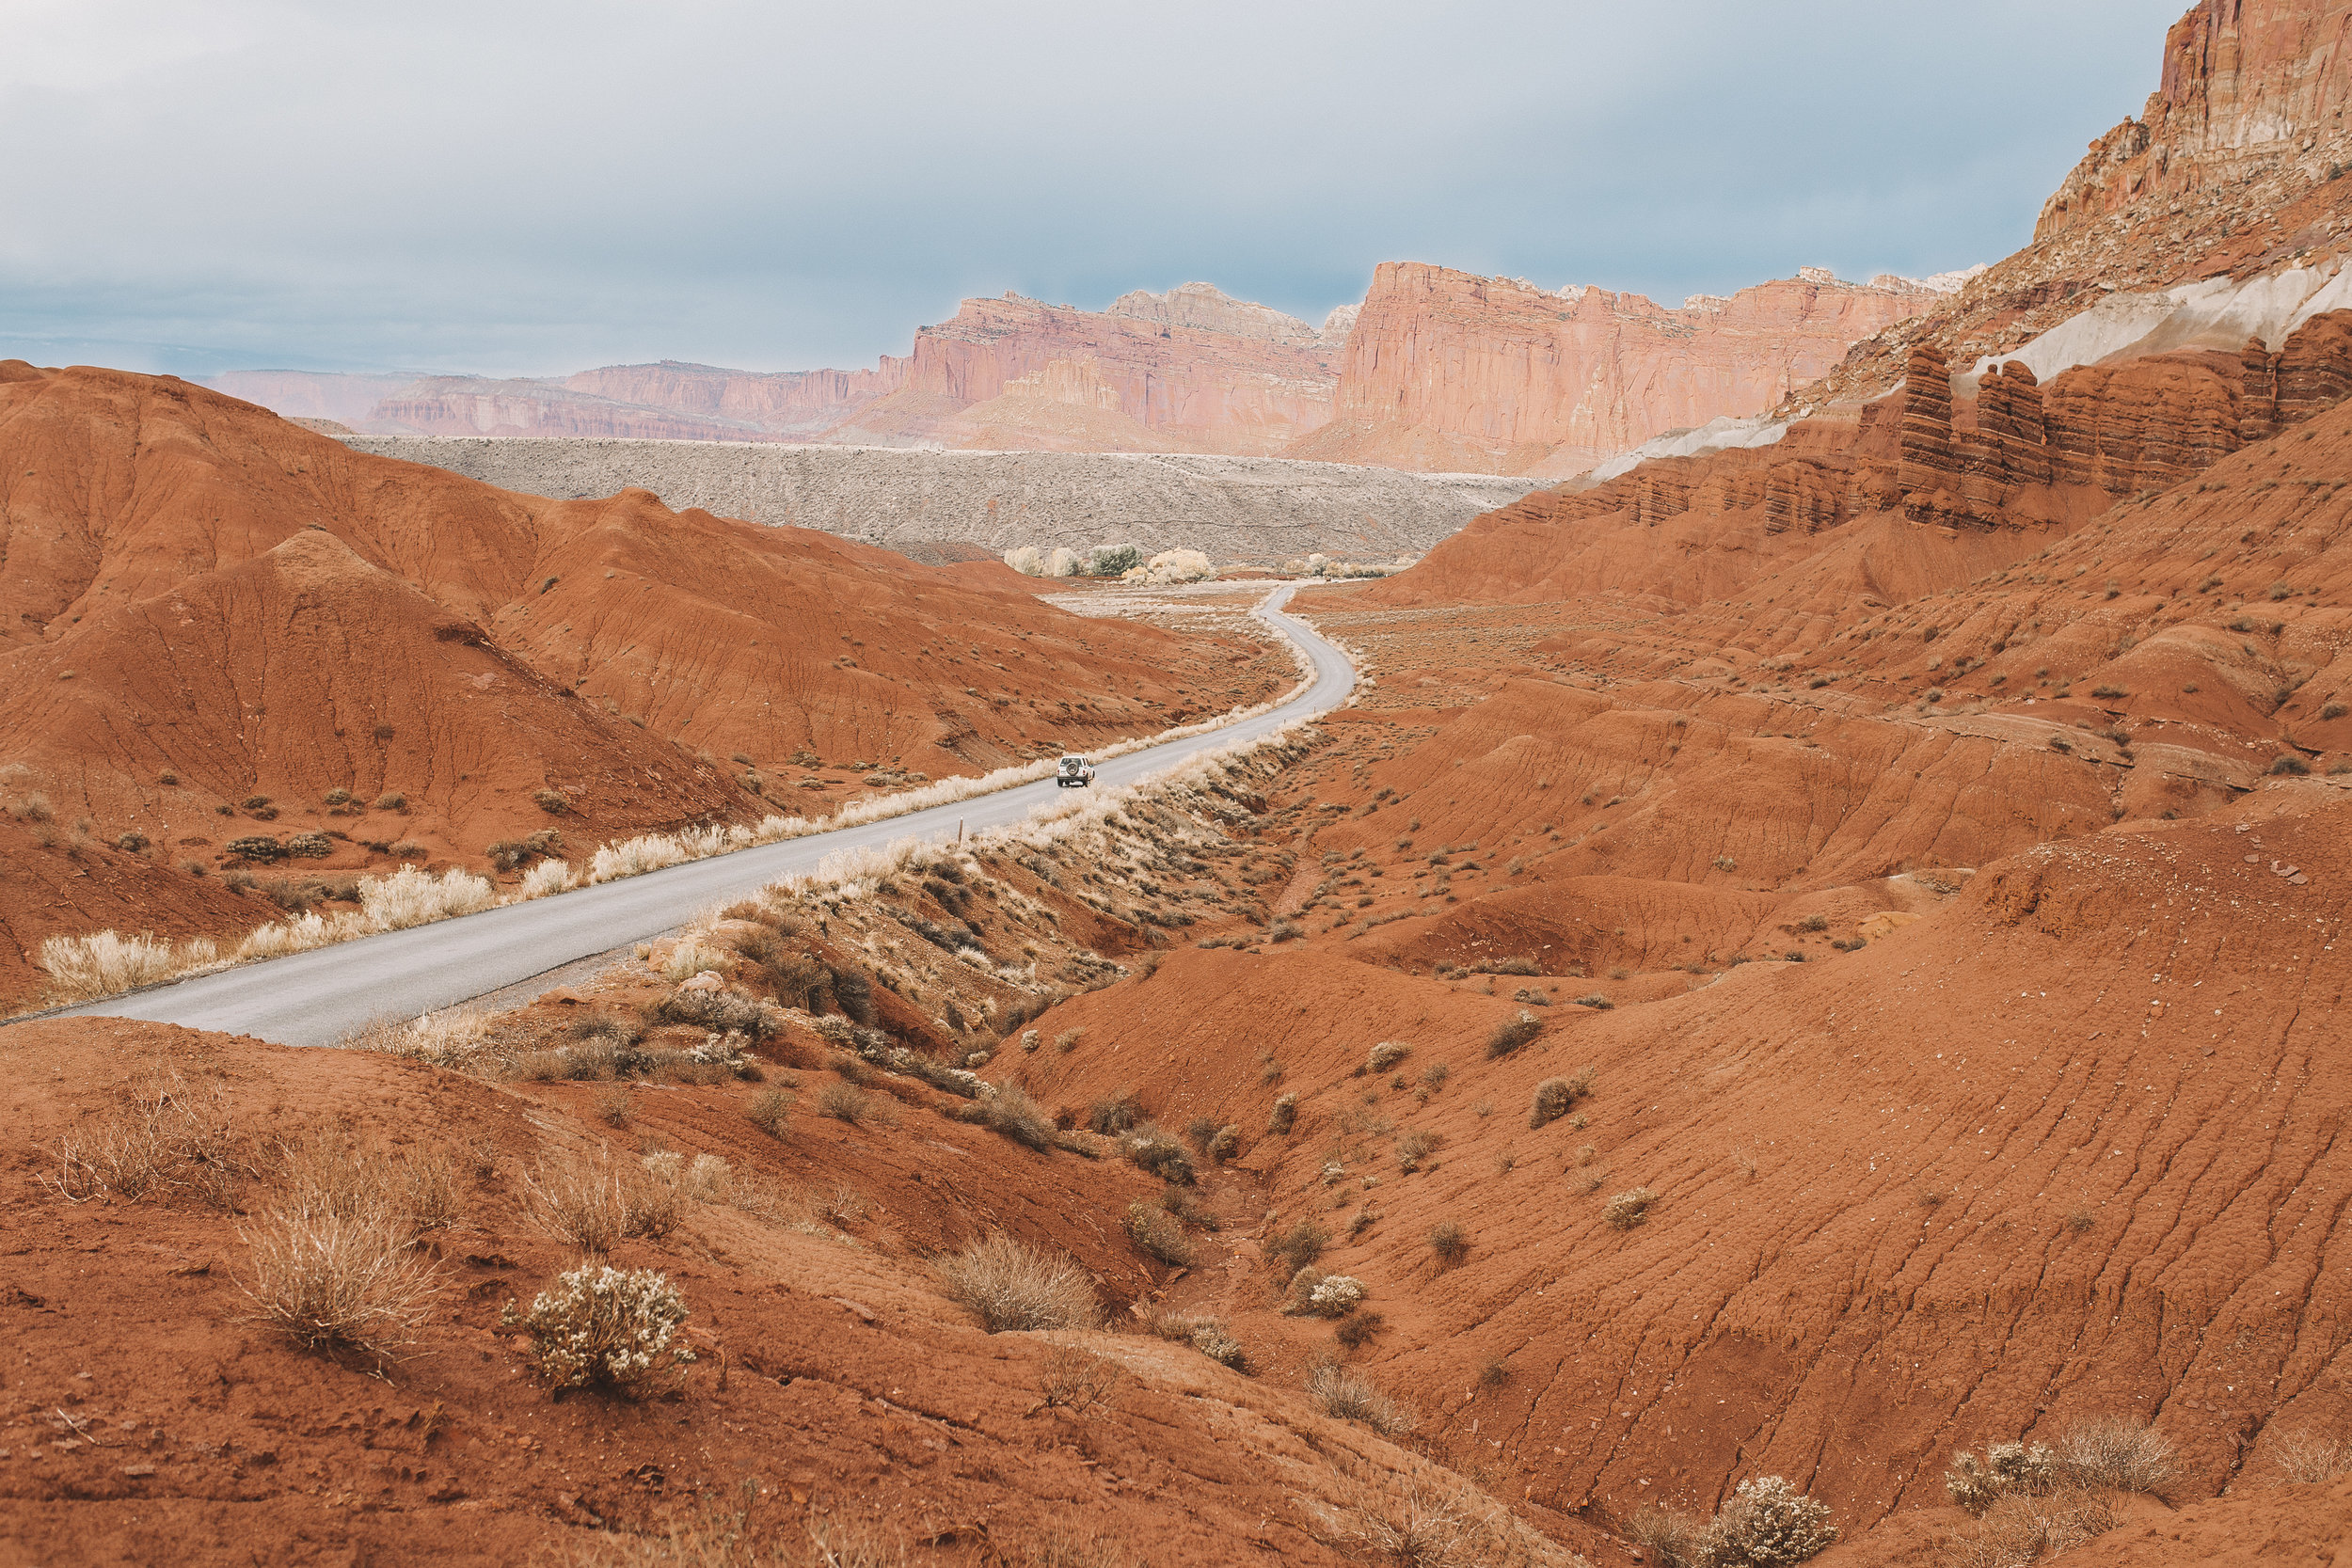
[528,188]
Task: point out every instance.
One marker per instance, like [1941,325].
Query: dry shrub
[1283,1116]
[1671,1540]
[1007,1286]
[1156,1235]
[1114,1115]
[1387,1055]
[1416,1147]
[1013,1112]
[706,1178]
[1211,1337]
[328,1278]
[1767,1524]
[1298,1246]
[605,1327]
[1629,1208]
[1426,1519]
[2023,1527]
[1513,1033]
[1153,1148]
[1450,1242]
[1357,1329]
[768,1109]
[1075,1381]
[1977,1484]
[2121,1452]
[842,1103]
[459,1038]
[168,1132]
[1350,1396]
[1556,1097]
[2306,1457]
[84,968]
[592,1202]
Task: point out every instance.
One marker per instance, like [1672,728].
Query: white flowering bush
[1767,1524]
[2006,1467]
[1335,1296]
[607,1327]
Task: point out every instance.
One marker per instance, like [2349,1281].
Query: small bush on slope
[606,1327]
[1347,1396]
[1767,1524]
[1007,1286]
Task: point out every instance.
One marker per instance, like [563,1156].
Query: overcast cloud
[527,188]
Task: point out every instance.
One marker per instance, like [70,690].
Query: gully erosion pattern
[315,997]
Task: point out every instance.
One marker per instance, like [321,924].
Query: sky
[522,188]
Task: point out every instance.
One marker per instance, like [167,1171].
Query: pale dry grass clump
[413,897]
[2306,1457]
[1008,1286]
[332,1257]
[2118,1451]
[459,1038]
[82,969]
[2023,1527]
[1351,1396]
[547,877]
[593,1203]
[169,1132]
[327,1278]
[1425,1518]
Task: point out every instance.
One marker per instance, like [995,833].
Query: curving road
[315,998]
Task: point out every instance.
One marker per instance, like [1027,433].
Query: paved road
[316,997]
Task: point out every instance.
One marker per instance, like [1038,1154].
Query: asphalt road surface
[315,998]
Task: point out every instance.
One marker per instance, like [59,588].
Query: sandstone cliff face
[1206,307]
[2247,85]
[789,403]
[2235,171]
[1448,369]
[475,406]
[1178,387]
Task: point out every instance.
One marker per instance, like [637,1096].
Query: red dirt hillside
[203,606]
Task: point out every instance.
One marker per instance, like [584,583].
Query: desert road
[315,998]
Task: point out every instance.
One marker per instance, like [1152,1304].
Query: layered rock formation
[1446,369]
[2246,87]
[2234,172]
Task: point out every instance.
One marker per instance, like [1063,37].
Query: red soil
[197,591]
[149,1417]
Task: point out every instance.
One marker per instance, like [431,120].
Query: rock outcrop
[2246,87]
[1446,369]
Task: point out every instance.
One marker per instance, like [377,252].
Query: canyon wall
[2247,85]
[1168,385]
[1436,370]
[1450,371]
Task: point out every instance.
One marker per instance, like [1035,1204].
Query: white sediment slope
[1234,508]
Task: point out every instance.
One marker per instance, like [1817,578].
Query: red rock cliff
[2247,86]
[1449,371]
